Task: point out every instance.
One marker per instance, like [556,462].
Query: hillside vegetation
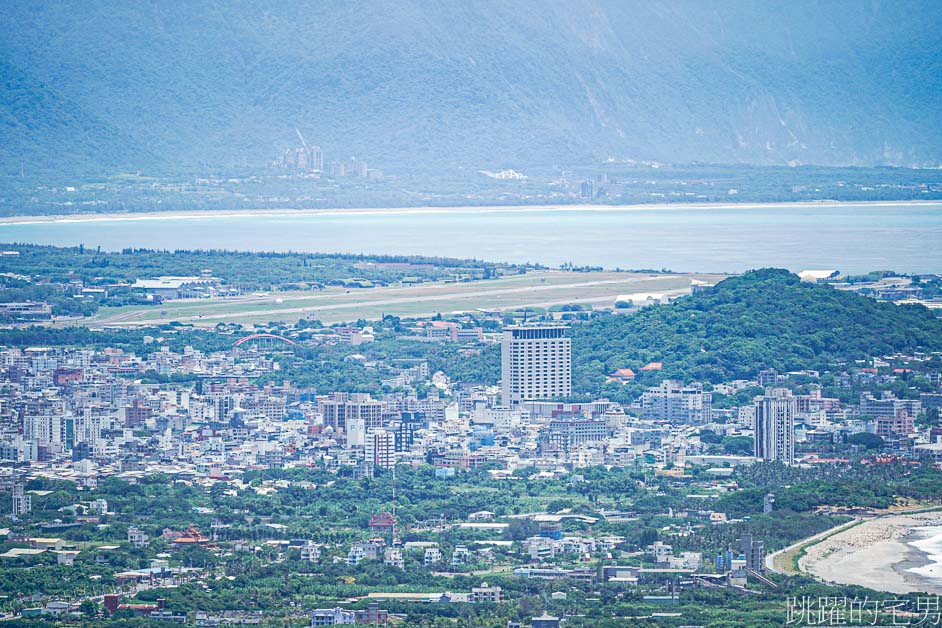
[762,319]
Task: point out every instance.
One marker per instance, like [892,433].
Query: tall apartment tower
[22,503]
[339,408]
[380,448]
[775,425]
[536,363]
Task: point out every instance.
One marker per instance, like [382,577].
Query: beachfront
[878,554]
[419,209]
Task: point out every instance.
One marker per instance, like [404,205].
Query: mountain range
[94,87]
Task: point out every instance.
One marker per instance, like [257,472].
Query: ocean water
[851,238]
[930,542]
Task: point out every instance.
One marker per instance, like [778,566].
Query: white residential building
[311,552]
[22,503]
[380,448]
[536,363]
[393,557]
[137,538]
[775,425]
[433,555]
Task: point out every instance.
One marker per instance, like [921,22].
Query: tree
[738,445]
[88,608]
[866,439]
[648,536]
[710,437]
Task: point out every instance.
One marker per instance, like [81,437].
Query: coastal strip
[366,211]
[877,554]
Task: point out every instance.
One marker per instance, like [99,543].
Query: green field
[535,289]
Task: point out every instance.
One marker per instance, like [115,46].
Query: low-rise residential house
[486,593]
[433,556]
[311,552]
[137,537]
[332,617]
[393,557]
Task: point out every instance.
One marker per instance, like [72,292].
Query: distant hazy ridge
[98,87]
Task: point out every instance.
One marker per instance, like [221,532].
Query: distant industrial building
[26,311]
[167,287]
[303,158]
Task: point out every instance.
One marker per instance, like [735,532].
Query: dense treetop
[762,319]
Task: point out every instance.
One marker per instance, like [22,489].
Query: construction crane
[301,137]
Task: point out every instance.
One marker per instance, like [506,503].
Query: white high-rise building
[22,502]
[672,401]
[536,363]
[339,408]
[775,425]
[380,448]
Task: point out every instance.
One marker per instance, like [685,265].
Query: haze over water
[848,237]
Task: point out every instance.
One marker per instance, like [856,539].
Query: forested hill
[97,86]
[765,318]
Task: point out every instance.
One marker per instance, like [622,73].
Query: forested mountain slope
[762,319]
[96,86]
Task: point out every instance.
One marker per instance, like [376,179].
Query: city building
[22,503]
[137,537]
[674,402]
[486,593]
[900,425]
[433,556]
[775,425]
[332,617]
[888,406]
[339,408]
[565,434]
[380,448]
[536,363]
[311,552]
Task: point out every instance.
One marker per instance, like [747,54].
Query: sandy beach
[160,215]
[879,554]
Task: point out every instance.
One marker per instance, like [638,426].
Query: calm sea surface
[850,238]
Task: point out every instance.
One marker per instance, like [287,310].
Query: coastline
[879,554]
[365,211]
[913,558]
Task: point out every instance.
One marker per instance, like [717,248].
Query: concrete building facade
[775,425]
[536,363]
